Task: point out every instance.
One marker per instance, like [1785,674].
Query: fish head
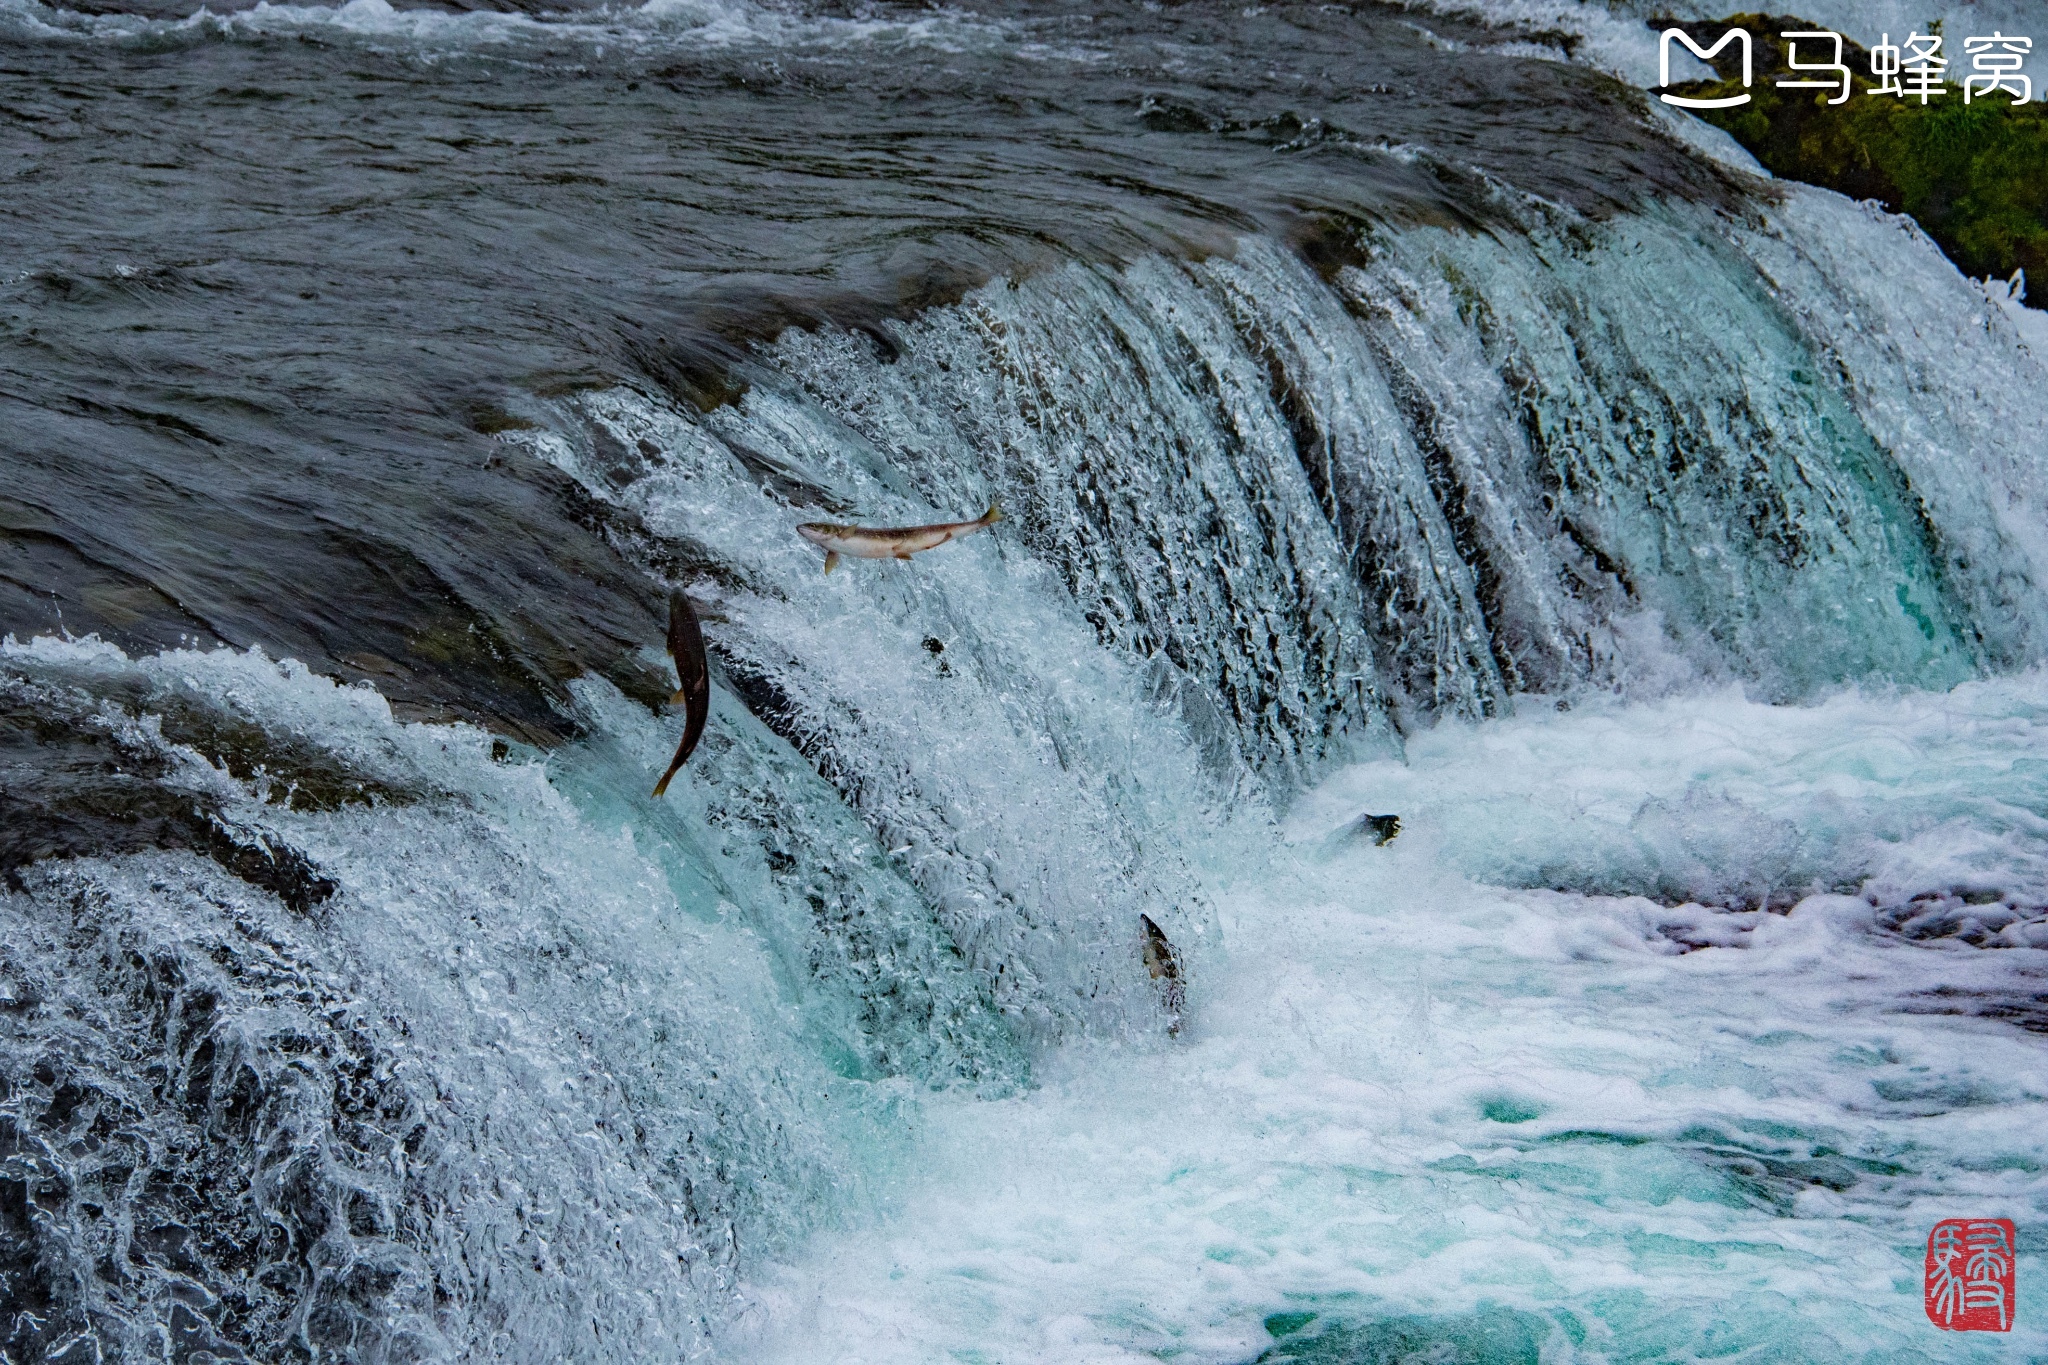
[816,532]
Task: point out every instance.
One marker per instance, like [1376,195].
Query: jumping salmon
[686,646]
[888,542]
[1162,964]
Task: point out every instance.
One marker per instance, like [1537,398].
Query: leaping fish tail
[992,516]
[661,787]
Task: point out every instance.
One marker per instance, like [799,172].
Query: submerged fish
[1162,963]
[889,542]
[686,647]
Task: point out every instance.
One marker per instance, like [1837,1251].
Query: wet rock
[80,777]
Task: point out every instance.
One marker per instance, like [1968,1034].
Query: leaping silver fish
[889,542]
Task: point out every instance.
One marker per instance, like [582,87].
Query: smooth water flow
[1664,548]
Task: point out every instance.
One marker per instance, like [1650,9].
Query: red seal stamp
[1970,1263]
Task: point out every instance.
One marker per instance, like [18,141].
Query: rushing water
[1390,413]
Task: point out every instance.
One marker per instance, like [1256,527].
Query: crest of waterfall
[1653,431]
[1948,387]
[1316,504]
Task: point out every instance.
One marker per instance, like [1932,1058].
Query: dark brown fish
[686,647]
[1162,963]
[1381,829]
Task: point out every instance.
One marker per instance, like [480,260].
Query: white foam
[1855,787]
[656,25]
[2031,323]
[1392,1093]
[1944,378]
[608,1061]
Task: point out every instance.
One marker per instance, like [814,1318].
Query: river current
[1392,411]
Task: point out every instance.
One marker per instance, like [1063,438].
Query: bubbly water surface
[1420,1116]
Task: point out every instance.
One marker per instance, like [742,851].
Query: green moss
[1974,176]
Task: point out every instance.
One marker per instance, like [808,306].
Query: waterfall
[542,1065]
[1436,470]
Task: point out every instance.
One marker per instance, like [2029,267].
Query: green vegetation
[1975,176]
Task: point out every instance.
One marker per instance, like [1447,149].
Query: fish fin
[905,555]
[992,516]
[682,694]
[831,560]
[675,767]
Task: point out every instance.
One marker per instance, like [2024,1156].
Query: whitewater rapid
[1422,1098]
[1424,1110]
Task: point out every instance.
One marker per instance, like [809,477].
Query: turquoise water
[1665,551]
[1415,1111]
